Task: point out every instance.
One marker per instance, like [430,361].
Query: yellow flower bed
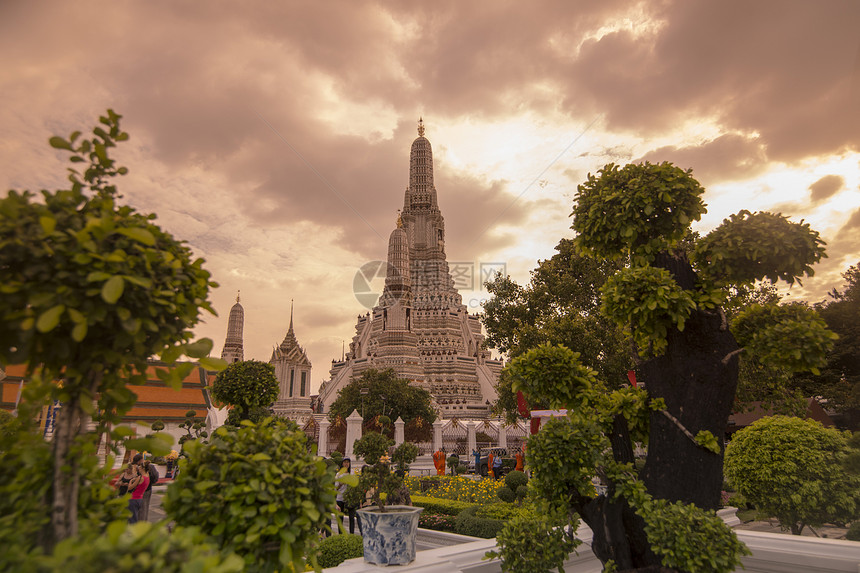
[459,488]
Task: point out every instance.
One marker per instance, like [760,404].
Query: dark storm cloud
[826,187]
[727,157]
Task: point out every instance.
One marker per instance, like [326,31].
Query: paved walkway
[772,526]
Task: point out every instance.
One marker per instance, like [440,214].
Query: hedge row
[468,523]
[441,506]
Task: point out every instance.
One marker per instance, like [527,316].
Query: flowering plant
[172,455]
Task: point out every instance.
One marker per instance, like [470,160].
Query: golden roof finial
[237,295]
[399,220]
[420,127]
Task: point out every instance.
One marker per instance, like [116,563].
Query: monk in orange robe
[519,458]
[439,462]
[490,467]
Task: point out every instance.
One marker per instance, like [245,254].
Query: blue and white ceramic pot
[389,536]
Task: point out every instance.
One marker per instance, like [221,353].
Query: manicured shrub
[506,494]
[522,492]
[792,469]
[142,548]
[468,523]
[336,549]
[515,479]
[441,506]
[508,464]
[853,533]
[462,468]
[256,490]
[540,545]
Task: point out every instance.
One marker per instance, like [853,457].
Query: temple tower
[420,327]
[293,371]
[233,350]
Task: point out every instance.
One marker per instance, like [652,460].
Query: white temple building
[292,366]
[420,326]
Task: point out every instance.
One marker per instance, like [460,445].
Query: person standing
[345,469]
[124,479]
[137,486]
[152,472]
[439,462]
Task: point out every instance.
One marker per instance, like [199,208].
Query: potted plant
[388,526]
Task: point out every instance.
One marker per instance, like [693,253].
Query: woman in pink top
[137,486]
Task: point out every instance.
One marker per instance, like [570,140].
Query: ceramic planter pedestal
[389,537]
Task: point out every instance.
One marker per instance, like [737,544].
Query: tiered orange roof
[155,400]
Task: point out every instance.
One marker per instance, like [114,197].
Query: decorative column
[322,447]
[437,435]
[471,440]
[399,424]
[353,432]
[503,434]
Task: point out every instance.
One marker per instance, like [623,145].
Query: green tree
[839,380]
[687,359]
[793,469]
[561,305]
[256,490]
[91,289]
[250,387]
[384,395]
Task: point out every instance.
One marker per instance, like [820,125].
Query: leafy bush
[250,387]
[522,492]
[468,523]
[336,549]
[376,478]
[26,469]
[142,548]
[462,468]
[515,479]
[508,464]
[792,469]
[680,546]
[441,506]
[506,494]
[403,455]
[533,545]
[257,491]
[853,533]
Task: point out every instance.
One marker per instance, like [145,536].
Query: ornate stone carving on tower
[233,350]
[293,371]
[420,327]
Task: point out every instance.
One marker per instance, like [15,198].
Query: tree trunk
[699,390]
[64,518]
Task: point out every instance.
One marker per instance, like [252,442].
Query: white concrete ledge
[772,553]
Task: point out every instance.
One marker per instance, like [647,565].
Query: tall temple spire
[233,350]
[291,315]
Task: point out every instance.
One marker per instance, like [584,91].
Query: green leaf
[49,319]
[60,143]
[79,332]
[199,349]
[213,364]
[112,289]
[48,224]
[138,234]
